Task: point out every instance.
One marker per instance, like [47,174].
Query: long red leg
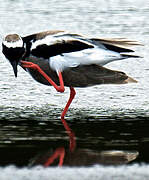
[60,88]
[31,65]
[72,95]
[70,133]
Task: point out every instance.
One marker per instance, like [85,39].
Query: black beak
[14,65]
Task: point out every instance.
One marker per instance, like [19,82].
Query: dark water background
[105,119]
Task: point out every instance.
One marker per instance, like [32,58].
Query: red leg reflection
[60,152]
[67,128]
[72,141]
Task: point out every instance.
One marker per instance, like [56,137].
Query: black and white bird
[60,58]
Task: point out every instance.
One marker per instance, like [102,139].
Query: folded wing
[65,50]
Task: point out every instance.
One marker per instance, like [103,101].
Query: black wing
[47,51]
[69,42]
[64,43]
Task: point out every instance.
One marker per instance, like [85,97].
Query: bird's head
[13,49]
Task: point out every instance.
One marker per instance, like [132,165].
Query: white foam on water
[131,172]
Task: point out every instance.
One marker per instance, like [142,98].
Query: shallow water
[105,118]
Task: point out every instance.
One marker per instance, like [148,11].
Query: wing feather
[65,50]
[56,45]
[116,44]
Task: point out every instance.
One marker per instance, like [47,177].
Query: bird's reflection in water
[60,152]
[111,140]
[81,157]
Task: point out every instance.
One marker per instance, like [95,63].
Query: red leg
[72,95]
[67,128]
[31,65]
[60,152]
[60,88]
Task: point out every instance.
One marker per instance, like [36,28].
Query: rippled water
[103,118]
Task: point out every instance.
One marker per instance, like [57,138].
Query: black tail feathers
[130,56]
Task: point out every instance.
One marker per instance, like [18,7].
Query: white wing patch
[84,57]
[59,63]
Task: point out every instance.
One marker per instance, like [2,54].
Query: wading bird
[60,58]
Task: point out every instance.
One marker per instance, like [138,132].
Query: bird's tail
[129,80]
[108,76]
[130,56]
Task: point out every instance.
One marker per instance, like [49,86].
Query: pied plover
[60,58]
